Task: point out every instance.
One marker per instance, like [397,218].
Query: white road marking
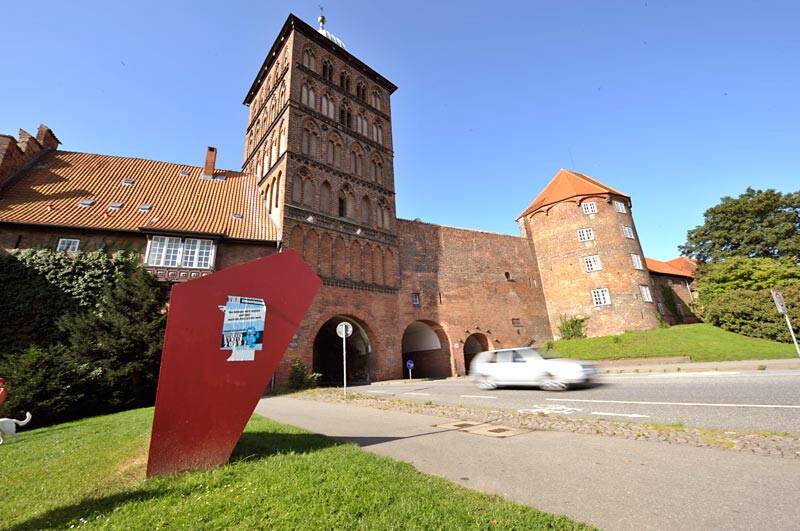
[692,374]
[377,392]
[548,409]
[780,406]
[477,396]
[418,394]
[632,415]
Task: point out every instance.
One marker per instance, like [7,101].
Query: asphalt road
[746,400]
[611,482]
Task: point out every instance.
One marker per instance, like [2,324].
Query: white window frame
[619,206]
[636,261]
[647,296]
[660,308]
[416,299]
[627,231]
[601,297]
[585,234]
[592,263]
[68,245]
[589,207]
[184,257]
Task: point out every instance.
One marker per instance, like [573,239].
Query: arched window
[276,190]
[361,91]
[361,125]
[327,70]
[308,192]
[268,202]
[297,190]
[366,213]
[377,133]
[357,161]
[308,139]
[273,154]
[307,96]
[282,94]
[328,107]
[376,100]
[342,205]
[282,145]
[334,152]
[344,80]
[308,59]
[325,193]
[345,116]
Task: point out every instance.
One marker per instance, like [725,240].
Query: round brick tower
[589,256]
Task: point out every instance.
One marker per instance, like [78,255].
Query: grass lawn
[91,473]
[701,342]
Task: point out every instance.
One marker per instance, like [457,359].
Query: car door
[504,368]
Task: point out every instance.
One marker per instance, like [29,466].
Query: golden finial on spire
[321,18]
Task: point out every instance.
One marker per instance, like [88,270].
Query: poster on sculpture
[243,327]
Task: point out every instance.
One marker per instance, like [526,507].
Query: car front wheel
[551,383]
[487,382]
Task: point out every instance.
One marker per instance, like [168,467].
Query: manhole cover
[498,430]
[464,425]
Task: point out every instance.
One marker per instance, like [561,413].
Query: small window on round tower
[508,276]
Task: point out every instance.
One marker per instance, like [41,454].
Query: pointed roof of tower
[568,184]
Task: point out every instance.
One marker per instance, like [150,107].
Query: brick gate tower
[589,256]
[319,140]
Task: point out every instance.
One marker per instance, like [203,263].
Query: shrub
[300,378]
[572,327]
[51,383]
[122,338]
[752,312]
[40,286]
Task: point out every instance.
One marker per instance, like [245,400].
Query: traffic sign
[410,364]
[344,329]
[780,304]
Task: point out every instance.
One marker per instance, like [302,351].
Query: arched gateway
[426,344]
[328,353]
[474,344]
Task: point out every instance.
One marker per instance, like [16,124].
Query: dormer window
[145,207]
[86,203]
[127,181]
[115,205]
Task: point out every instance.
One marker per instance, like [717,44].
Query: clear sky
[675,103]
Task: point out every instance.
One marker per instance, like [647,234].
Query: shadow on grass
[253,445]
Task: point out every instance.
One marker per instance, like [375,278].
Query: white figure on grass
[8,427]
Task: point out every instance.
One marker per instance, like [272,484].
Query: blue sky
[675,103]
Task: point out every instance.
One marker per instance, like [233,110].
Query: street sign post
[344,330]
[410,365]
[780,304]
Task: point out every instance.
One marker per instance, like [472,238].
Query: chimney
[211,162]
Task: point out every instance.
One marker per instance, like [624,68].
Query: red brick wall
[681,294]
[460,275]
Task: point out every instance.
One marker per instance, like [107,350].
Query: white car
[525,366]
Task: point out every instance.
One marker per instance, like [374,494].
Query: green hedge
[753,313]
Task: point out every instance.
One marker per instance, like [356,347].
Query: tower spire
[321,18]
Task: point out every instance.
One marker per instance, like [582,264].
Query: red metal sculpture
[225,335]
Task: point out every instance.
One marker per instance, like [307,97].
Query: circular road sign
[410,364]
[344,329]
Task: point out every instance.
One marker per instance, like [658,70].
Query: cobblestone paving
[762,443]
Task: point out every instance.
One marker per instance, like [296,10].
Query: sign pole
[780,304]
[791,331]
[409,373]
[344,365]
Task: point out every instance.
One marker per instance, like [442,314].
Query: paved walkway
[612,483]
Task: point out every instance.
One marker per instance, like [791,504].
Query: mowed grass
[701,342]
[90,473]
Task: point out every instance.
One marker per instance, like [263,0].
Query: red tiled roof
[687,265]
[569,184]
[50,191]
[667,268]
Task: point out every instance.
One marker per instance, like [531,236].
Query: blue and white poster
[243,327]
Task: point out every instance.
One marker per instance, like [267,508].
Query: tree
[121,339]
[746,273]
[758,223]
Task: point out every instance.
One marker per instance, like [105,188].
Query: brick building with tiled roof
[318,177]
